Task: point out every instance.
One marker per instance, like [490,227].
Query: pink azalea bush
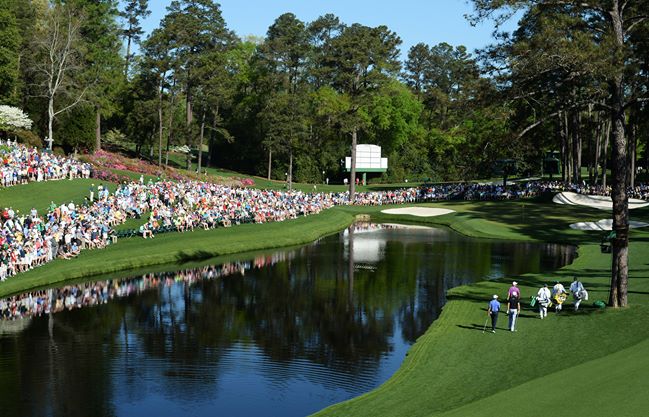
[104,162]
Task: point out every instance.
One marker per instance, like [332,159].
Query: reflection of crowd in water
[37,303]
[369,226]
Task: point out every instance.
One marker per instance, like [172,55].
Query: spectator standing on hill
[492,311]
[514,307]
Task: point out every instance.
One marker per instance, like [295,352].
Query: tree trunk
[290,169]
[170,122]
[565,148]
[607,139]
[211,144]
[352,175]
[598,148]
[646,155]
[200,144]
[270,161]
[576,146]
[631,128]
[190,118]
[50,122]
[592,138]
[97,129]
[128,55]
[160,120]
[620,244]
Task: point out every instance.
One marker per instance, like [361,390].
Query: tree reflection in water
[329,320]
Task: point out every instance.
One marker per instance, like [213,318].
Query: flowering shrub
[12,118]
[109,176]
[105,161]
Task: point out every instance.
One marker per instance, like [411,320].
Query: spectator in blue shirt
[494,308]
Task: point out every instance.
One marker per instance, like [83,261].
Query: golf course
[334,208]
[455,368]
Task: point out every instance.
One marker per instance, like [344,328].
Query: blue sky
[429,21]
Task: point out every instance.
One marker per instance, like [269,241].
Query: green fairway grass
[615,385]
[454,368]
[457,369]
[40,194]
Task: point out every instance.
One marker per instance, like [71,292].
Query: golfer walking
[514,291]
[578,292]
[543,298]
[514,307]
[492,311]
[559,294]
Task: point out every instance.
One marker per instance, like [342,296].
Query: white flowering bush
[181,149]
[12,118]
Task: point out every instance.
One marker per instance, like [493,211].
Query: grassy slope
[585,389]
[455,365]
[39,194]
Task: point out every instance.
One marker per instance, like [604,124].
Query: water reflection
[285,333]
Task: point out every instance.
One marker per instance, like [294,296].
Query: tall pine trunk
[576,146]
[270,162]
[631,128]
[200,144]
[352,175]
[620,244]
[599,134]
[160,121]
[50,122]
[290,169]
[190,118]
[128,55]
[97,129]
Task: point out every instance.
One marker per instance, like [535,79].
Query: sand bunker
[595,201]
[604,224]
[419,211]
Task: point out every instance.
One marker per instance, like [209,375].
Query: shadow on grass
[199,255]
[478,327]
[537,219]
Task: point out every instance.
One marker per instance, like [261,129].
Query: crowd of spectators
[517,190]
[28,240]
[21,164]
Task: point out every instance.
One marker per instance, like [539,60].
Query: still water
[284,333]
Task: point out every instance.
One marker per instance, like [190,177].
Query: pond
[283,333]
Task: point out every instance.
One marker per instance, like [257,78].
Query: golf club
[485,325]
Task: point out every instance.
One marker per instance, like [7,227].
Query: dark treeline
[290,103]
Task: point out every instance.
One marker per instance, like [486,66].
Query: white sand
[604,224]
[595,201]
[419,211]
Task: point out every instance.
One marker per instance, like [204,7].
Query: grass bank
[579,364]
